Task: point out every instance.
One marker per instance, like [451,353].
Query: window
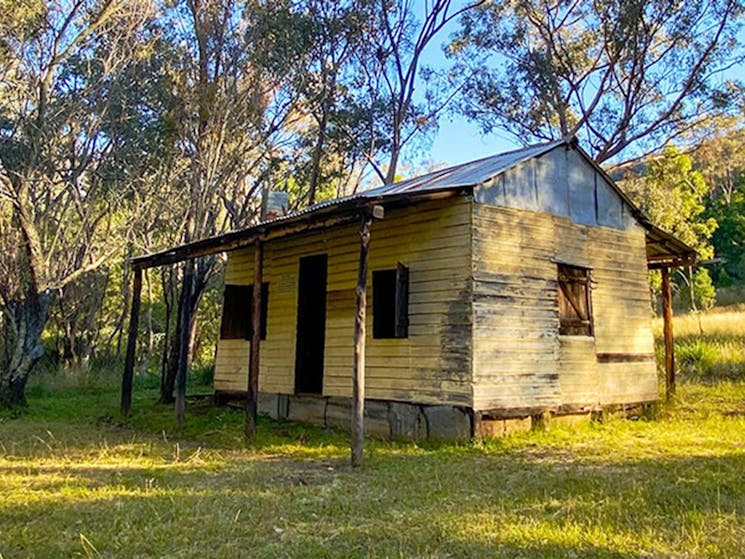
[391,303]
[236,312]
[575,309]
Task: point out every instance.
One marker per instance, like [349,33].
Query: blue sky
[459,140]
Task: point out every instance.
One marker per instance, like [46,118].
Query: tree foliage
[673,195]
[61,69]
[626,77]
[721,159]
[130,126]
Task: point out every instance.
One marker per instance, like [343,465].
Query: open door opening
[311,324]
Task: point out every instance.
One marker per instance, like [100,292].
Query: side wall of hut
[431,366]
[551,211]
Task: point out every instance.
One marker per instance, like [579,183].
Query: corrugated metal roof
[467,174]
[457,177]
[471,173]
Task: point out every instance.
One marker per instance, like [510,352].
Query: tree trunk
[168,298]
[390,176]
[692,289]
[315,172]
[168,375]
[148,323]
[25,320]
[168,379]
[119,329]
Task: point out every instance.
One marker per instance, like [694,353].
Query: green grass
[709,346]
[76,479]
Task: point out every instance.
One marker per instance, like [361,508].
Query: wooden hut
[499,290]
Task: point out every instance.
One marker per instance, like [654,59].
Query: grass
[78,480]
[709,346]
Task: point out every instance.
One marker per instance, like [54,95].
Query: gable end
[561,182]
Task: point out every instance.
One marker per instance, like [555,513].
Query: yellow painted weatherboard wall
[432,365]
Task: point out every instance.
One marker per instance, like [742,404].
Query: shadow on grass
[72,470]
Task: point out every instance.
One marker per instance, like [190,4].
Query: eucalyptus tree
[315,44]
[386,114]
[626,76]
[230,118]
[673,194]
[721,160]
[59,65]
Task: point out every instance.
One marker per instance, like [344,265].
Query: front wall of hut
[431,366]
[551,211]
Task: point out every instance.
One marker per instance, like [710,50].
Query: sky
[458,139]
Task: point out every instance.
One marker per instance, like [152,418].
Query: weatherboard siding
[431,366]
[519,359]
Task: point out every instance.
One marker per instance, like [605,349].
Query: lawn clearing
[83,484]
[76,480]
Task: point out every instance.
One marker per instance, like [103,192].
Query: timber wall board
[519,360]
[431,366]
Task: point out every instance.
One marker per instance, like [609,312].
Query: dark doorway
[311,325]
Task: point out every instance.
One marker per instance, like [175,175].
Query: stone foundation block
[268,405]
[339,413]
[494,428]
[309,409]
[376,419]
[571,420]
[517,425]
[407,421]
[446,423]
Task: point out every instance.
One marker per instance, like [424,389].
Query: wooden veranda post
[184,343]
[253,361]
[358,378]
[129,362]
[667,329]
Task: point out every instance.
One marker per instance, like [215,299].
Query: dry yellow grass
[724,322]
[709,345]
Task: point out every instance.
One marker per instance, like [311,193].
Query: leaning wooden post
[253,361]
[129,362]
[183,353]
[358,378]
[667,330]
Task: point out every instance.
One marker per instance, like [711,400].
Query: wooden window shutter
[390,303]
[236,312]
[264,311]
[575,311]
[402,301]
